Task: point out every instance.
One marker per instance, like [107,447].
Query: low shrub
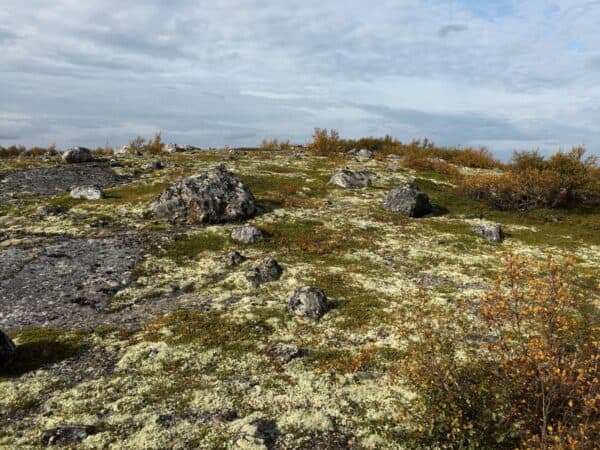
[24,152]
[275,144]
[438,165]
[531,181]
[520,371]
[325,143]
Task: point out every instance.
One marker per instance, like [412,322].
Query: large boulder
[407,200]
[308,301]
[88,192]
[77,155]
[491,231]
[348,179]
[247,234]
[7,350]
[215,196]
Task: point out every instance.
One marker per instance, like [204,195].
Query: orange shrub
[434,164]
[324,143]
[275,144]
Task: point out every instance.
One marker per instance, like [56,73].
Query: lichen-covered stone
[350,179]
[235,258]
[247,234]
[308,301]
[214,196]
[491,231]
[407,200]
[87,192]
[76,155]
[266,271]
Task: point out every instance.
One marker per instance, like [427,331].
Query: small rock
[153,165]
[283,353]
[407,200]
[87,192]
[114,163]
[77,155]
[68,435]
[214,196]
[348,179]
[7,350]
[247,234]
[267,270]
[491,231]
[51,210]
[308,301]
[364,154]
[260,432]
[235,258]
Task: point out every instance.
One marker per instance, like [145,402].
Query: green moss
[184,248]
[38,347]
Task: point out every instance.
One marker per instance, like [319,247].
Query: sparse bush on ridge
[139,145]
[23,152]
[521,372]
[531,181]
[275,144]
[325,143]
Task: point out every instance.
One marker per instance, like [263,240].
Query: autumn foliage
[521,370]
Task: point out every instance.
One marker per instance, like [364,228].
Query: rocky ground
[143,330]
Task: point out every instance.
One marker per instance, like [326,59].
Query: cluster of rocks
[360,155]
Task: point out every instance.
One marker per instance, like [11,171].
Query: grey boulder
[491,231]
[214,196]
[266,271]
[349,179]
[247,234]
[89,192]
[407,200]
[364,154]
[308,301]
[77,155]
[7,350]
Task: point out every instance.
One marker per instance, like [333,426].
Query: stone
[247,234]
[260,433]
[214,196]
[491,231]
[364,154]
[153,165]
[67,435]
[172,147]
[77,155]
[87,192]
[308,301]
[282,353]
[235,258]
[349,179]
[114,163]
[407,200]
[266,271]
[7,350]
[51,210]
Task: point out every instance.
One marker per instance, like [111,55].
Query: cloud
[451,29]
[235,71]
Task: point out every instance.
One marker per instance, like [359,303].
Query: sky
[508,75]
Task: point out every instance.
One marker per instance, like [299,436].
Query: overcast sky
[500,73]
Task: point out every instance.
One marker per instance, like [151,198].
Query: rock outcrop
[350,179]
[407,200]
[7,350]
[308,301]
[214,196]
[87,192]
[247,234]
[77,155]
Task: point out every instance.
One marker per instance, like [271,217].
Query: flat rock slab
[64,282]
[47,181]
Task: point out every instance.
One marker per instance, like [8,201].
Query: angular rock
[491,231]
[247,234]
[7,350]
[364,154]
[77,155]
[348,179]
[266,271]
[68,435]
[235,258]
[153,165]
[308,301]
[407,200]
[283,353]
[209,197]
[90,192]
